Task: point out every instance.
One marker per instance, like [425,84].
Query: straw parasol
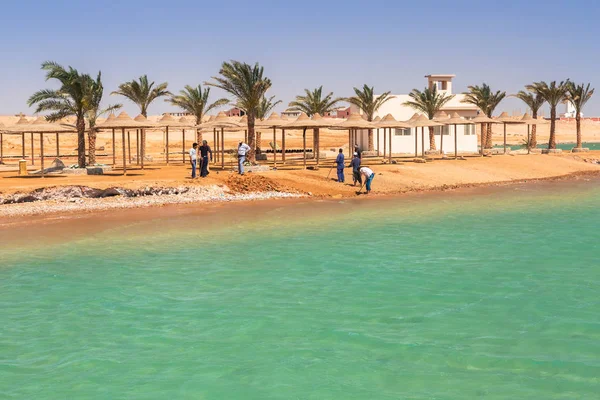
[304,122]
[389,122]
[529,120]
[274,121]
[483,119]
[441,116]
[507,119]
[220,122]
[352,123]
[423,122]
[123,121]
[455,120]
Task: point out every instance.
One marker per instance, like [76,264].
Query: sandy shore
[225,186]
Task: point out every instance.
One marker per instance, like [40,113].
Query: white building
[403,140]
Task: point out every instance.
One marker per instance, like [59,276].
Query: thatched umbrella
[304,122]
[529,120]
[441,117]
[274,121]
[41,126]
[221,121]
[353,122]
[455,120]
[423,122]
[411,122]
[483,119]
[375,121]
[389,122]
[110,118]
[507,119]
[124,121]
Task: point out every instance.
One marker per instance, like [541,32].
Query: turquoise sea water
[562,146]
[490,295]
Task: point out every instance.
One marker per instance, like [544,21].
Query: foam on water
[491,295]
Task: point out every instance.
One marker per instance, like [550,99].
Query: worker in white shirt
[368,175]
[194,159]
[243,149]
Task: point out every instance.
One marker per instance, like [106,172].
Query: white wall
[406,144]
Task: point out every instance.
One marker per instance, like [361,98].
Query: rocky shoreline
[66,199]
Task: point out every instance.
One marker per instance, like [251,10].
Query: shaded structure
[455,120]
[483,119]
[389,122]
[304,122]
[507,119]
[442,117]
[353,123]
[529,121]
[274,121]
[220,123]
[423,122]
[123,122]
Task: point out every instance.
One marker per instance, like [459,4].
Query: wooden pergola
[354,123]
[218,125]
[389,122]
[304,122]
[39,126]
[123,122]
[274,121]
[455,120]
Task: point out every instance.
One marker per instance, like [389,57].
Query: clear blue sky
[390,45]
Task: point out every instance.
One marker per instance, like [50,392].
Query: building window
[469,129]
[438,129]
[402,132]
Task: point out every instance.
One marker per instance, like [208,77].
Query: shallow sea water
[487,294]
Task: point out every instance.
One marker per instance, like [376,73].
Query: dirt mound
[254,183]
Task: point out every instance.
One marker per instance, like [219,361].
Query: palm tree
[534,102]
[553,93]
[74,97]
[429,102]
[313,102]
[369,104]
[97,91]
[248,85]
[142,93]
[264,108]
[194,100]
[578,95]
[487,101]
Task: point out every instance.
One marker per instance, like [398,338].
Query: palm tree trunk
[198,136]
[81,142]
[258,142]
[432,145]
[578,123]
[92,146]
[552,141]
[533,139]
[488,138]
[371,144]
[251,138]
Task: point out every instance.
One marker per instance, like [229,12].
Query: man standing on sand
[194,159]
[204,150]
[243,149]
[368,176]
[340,166]
[355,164]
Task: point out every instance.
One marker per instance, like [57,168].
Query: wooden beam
[114,148]
[283,146]
[124,152]
[32,158]
[129,145]
[42,152]
[167,145]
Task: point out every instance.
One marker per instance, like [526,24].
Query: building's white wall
[406,144]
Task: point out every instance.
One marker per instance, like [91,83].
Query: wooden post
[384,143]
[377,142]
[528,142]
[137,146]
[283,146]
[42,152]
[416,142]
[222,148]
[423,142]
[316,148]
[32,158]
[1,148]
[441,140]
[183,144]
[23,145]
[505,138]
[455,143]
[350,143]
[142,145]
[390,134]
[129,145]
[114,148]
[274,148]
[124,153]
[167,145]
[57,146]
[304,145]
